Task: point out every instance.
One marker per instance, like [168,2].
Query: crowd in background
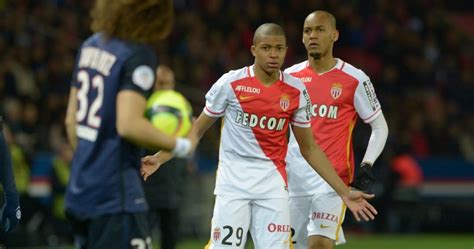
[419,60]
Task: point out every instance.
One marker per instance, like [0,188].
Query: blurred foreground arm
[152,163]
[131,124]
[135,127]
[70,121]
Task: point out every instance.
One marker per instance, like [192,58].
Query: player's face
[319,35]
[269,52]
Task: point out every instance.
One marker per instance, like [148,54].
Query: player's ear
[335,35]
[253,49]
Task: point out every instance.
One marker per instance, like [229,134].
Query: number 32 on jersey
[86,114]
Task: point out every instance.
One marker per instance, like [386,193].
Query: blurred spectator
[404,209]
[407,169]
[164,190]
[61,170]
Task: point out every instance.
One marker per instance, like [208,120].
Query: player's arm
[378,138]
[355,200]
[317,159]
[150,164]
[216,104]
[369,109]
[70,121]
[10,213]
[135,127]
[136,83]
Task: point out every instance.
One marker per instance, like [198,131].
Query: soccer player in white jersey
[339,93]
[258,103]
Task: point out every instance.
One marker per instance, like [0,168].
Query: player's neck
[266,78]
[322,64]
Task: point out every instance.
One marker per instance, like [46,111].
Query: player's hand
[150,164]
[364,177]
[356,201]
[10,213]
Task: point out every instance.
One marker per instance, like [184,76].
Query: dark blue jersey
[7,179]
[105,175]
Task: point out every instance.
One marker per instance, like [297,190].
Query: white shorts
[268,221]
[319,214]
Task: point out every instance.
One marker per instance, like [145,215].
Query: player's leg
[299,218]
[327,215]
[169,225]
[122,231]
[80,228]
[270,225]
[154,221]
[230,223]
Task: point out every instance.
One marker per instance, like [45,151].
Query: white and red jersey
[337,97]
[253,138]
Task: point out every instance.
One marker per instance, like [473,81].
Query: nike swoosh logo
[324,226]
[241,97]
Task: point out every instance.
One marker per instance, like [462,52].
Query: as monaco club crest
[216,235]
[284,102]
[336,90]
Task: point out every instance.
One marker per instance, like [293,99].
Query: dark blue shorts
[121,231]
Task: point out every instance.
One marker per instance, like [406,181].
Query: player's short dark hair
[268,29]
[144,21]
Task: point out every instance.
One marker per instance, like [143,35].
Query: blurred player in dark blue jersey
[10,213]
[105,122]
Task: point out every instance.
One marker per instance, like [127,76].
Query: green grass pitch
[415,241]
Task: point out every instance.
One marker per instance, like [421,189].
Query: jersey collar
[339,65]
[251,73]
